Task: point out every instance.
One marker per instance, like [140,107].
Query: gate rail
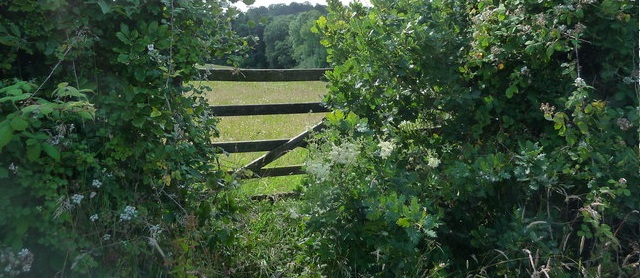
[276,147]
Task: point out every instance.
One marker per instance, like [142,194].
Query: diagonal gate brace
[257,165]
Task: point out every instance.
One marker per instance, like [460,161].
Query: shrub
[531,112]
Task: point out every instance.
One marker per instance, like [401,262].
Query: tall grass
[265,127]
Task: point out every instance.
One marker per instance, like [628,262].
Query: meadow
[265,127]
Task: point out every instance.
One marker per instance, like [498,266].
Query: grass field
[265,127]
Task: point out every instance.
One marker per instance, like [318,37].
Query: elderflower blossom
[386,148]
[94,217]
[579,82]
[433,162]
[319,169]
[344,154]
[129,213]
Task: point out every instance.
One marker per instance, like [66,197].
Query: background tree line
[281,36]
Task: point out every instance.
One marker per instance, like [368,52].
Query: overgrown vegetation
[106,165]
[481,138]
[469,138]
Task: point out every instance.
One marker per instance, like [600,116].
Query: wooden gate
[274,148]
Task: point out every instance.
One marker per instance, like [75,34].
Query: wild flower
[386,149]
[344,154]
[624,124]
[92,194]
[77,198]
[319,169]
[433,162]
[15,264]
[106,237]
[94,217]
[13,168]
[128,213]
[579,82]
[96,183]
[362,127]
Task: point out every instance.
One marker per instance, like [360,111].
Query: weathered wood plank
[256,165]
[268,109]
[263,75]
[250,146]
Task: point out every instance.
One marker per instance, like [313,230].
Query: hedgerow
[514,127]
[106,162]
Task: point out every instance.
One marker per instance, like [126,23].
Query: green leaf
[86,114]
[4,173]
[33,152]
[6,134]
[404,222]
[51,151]
[104,7]
[155,112]
[19,123]
[513,89]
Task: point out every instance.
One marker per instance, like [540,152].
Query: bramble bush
[106,162]
[515,126]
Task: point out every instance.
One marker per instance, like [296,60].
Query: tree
[307,50]
[278,45]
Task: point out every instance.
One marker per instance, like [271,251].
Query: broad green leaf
[86,114]
[104,7]
[512,90]
[19,123]
[51,151]
[6,134]
[33,152]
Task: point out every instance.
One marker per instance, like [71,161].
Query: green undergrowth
[271,242]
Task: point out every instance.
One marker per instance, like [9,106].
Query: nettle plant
[112,173]
[531,108]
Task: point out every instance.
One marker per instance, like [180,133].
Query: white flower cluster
[319,169]
[580,83]
[96,183]
[94,217]
[15,264]
[129,213]
[77,198]
[344,154]
[386,149]
[432,159]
